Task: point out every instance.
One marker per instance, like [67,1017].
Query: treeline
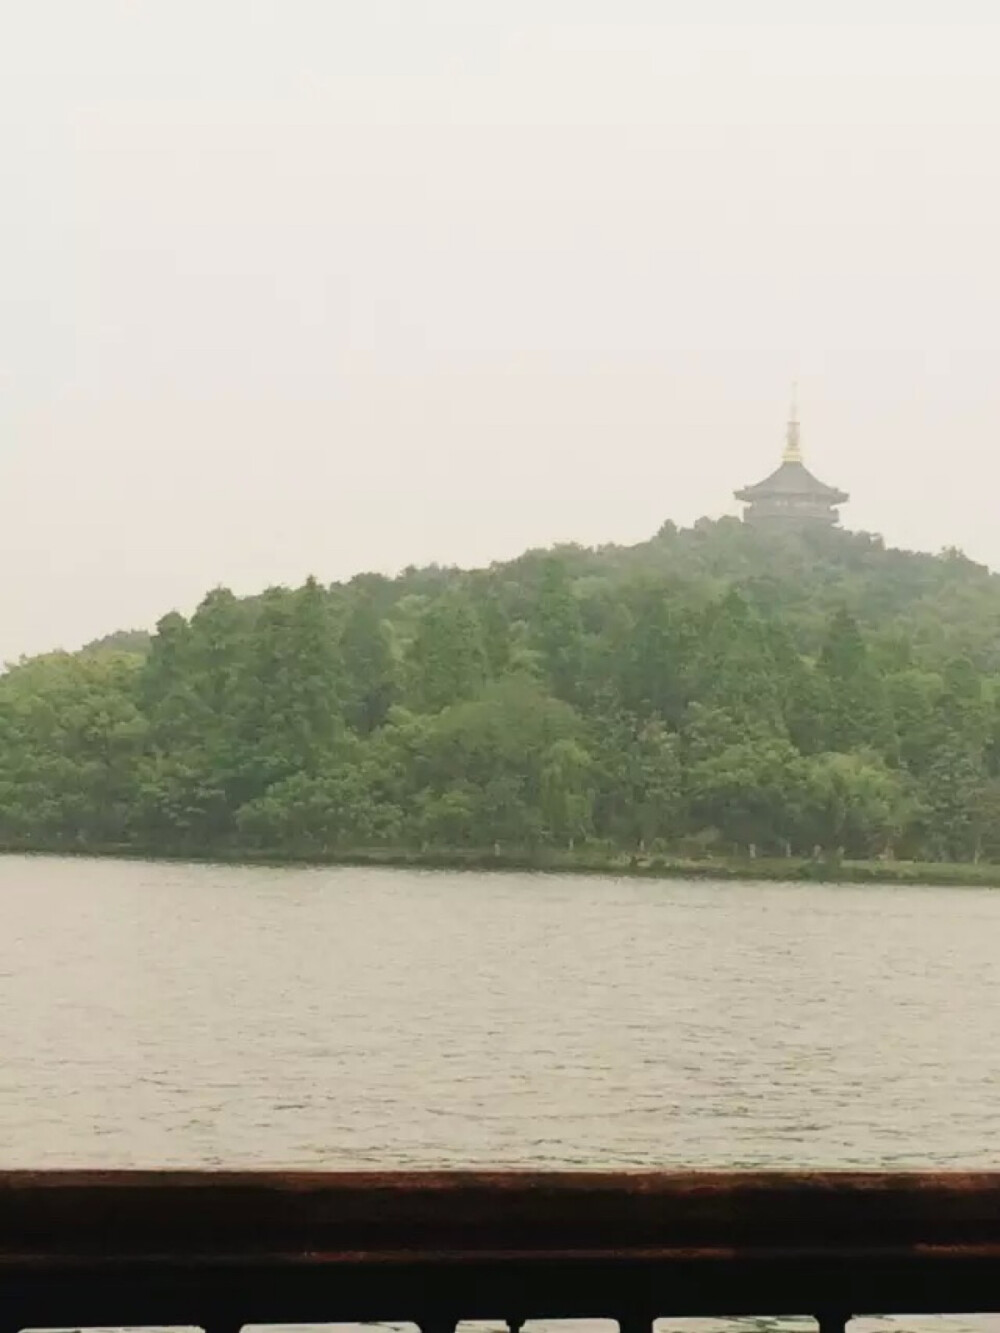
[710,691]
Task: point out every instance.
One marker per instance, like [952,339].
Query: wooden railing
[221,1250]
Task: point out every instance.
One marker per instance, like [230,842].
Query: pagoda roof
[793,480]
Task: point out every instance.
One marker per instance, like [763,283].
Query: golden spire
[793,449]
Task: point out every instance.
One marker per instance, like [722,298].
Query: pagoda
[791,494]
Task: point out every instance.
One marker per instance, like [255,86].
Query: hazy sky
[296,286]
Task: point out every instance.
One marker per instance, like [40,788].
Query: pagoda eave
[752,495]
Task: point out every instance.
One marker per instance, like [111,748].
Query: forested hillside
[706,691]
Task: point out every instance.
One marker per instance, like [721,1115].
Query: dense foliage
[714,689]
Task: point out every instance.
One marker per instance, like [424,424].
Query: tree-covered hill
[711,689]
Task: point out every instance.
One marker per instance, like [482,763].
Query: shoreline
[549,861]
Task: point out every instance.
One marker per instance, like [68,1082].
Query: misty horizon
[294,289]
[401,570]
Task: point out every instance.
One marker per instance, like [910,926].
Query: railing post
[832,1321]
[437,1324]
[634,1323]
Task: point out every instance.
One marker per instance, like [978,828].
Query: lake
[187,1015]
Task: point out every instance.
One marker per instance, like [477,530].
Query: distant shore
[552,861]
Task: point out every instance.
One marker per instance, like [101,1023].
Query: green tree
[915,700]
[371,675]
[737,671]
[502,751]
[186,790]
[449,818]
[750,792]
[655,660]
[953,793]
[71,740]
[558,629]
[286,702]
[567,797]
[853,802]
[640,795]
[725,684]
[447,659]
[318,814]
[857,709]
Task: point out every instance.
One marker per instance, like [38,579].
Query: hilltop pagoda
[791,494]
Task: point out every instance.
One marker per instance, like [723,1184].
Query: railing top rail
[222,1249]
[371,1215]
[665,1180]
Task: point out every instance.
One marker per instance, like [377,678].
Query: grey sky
[298,286]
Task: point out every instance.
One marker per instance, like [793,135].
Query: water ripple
[197,1016]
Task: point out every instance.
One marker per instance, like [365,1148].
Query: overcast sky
[295,286]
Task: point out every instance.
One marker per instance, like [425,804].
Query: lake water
[176,1015]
